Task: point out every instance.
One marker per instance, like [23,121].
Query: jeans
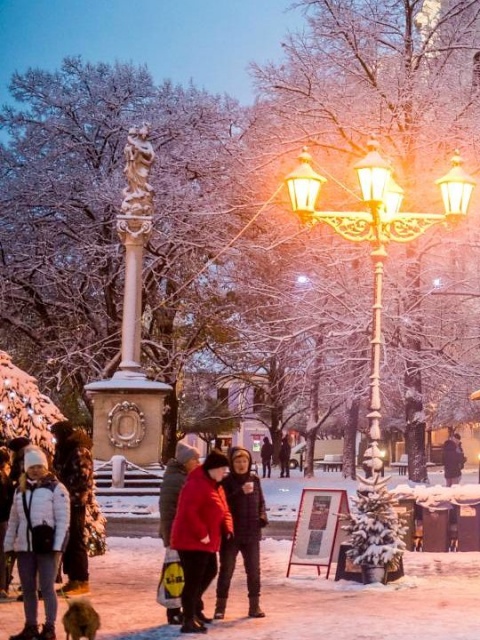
[251,561]
[267,467]
[46,565]
[199,569]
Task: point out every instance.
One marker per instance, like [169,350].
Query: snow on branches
[24,411]
[374,528]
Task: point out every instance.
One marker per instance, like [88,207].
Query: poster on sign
[318,532]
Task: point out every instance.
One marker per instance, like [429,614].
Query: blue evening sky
[208,41]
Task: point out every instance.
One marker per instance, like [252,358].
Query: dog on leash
[81,620]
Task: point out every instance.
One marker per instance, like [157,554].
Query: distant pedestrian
[202,518]
[247,505]
[43,500]
[266,453]
[73,464]
[285,451]
[186,459]
[453,460]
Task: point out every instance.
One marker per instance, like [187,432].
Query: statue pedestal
[128,419]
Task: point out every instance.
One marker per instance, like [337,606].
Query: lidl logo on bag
[173,579]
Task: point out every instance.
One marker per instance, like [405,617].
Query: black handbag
[43,535]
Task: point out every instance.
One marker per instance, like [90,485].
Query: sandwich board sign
[318,533]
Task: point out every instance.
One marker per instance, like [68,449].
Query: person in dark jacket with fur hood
[73,464]
[247,505]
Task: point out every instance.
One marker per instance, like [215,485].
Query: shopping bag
[170,585]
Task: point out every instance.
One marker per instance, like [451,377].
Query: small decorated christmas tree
[374,528]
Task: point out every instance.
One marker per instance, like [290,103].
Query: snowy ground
[438,597]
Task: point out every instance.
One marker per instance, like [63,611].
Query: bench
[402,465]
[331,462]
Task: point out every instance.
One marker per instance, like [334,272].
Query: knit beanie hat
[33,456]
[184,452]
[16,444]
[215,460]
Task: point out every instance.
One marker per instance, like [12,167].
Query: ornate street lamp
[384,222]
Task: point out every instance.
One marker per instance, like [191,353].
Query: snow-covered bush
[374,528]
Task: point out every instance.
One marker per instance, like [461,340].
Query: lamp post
[381,223]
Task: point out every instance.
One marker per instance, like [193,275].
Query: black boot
[220,606]
[190,626]
[29,632]
[202,618]
[48,632]
[174,616]
[254,610]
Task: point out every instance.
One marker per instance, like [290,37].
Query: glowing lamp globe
[456,188]
[304,185]
[373,174]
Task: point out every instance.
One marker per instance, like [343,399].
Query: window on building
[222,396]
[258,399]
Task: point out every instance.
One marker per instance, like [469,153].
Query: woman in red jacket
[202,518]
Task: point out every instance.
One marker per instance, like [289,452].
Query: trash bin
[468,527]
[436,530]
[405,509]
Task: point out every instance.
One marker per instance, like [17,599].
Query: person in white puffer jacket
[48,503]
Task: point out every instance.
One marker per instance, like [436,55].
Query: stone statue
[139,154]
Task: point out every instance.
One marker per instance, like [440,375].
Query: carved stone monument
[128,408]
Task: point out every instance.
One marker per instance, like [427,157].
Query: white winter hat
[34,455]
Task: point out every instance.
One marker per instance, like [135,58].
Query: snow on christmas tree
[24,411]
[375,530]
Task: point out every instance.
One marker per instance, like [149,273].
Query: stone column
[128,408]
[134,232]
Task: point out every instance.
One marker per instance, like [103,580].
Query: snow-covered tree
[375,531]
[61,264]
[24,410]
[405,71]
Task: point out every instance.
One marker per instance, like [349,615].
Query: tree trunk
[312,420]
[414,411]
[349,440]
[169,431]
[276,411]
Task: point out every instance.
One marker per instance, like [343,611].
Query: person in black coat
[247,505]
[453,460]
[266,453]
[73,465]
[284,456]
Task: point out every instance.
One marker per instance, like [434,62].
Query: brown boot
[254,610]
